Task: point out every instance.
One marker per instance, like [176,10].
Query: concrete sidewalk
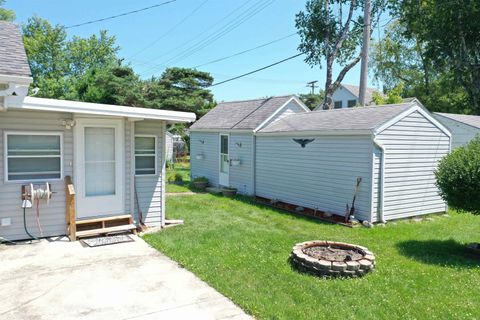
[63,280]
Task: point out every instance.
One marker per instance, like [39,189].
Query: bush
[200,179]
[175,178]
[458,177]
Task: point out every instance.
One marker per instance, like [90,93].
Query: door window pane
[224,144]
[99,161]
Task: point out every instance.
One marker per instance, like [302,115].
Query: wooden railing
[70,208]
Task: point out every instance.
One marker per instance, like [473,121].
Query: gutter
[382,179]
[10,90]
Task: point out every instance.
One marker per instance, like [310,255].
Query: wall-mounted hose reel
[32,195]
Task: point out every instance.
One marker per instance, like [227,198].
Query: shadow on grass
[449,253]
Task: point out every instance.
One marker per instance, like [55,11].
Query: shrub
[458,177]
[200,179]
[175,177]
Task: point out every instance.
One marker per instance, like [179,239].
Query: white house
[347,95]
[278,150]
[75,168]
[463,127]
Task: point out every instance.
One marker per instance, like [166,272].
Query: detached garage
[315,159]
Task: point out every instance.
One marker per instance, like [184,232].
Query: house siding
[52,216]
[241,176]
[461,133]
[414,145]
[208,166]
[149,188]
[322,175]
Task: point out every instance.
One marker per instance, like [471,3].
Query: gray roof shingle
[355,90]
[361,118]
[473,121]
[13,59]
[240,115]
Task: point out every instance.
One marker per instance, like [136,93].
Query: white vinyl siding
[33,156]
[206,145]
[414,145]
[145,155]
[52,216]
[461,133]
[241,149]
[322,175]
[149,187]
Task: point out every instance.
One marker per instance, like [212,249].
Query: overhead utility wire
[169,30]
[243,17]
[245,51]
[120,15]
[255,71]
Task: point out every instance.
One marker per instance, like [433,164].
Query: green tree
[391,97]
[327,33]
[312,100]
[180,89]
[6,14]
[450,34]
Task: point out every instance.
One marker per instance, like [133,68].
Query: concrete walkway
[63,280]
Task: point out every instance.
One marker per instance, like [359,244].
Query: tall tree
[327,33]
[312,100]
[450,31]
[6,14]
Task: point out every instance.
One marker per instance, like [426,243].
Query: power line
[169,30]
[257,70]
[245,51]
[120,15]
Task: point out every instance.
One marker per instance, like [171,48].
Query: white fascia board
[415,106]
[339,132]
[221,130]
[76,107]
[16,79]
[273,115]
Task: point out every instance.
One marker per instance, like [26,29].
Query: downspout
[382,179]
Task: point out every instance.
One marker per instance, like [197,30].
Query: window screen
[145,155]
[33,156]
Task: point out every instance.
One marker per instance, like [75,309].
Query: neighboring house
[463,127]
[313,159]
[347,95]
[114,154]
[169,147]
[222,142]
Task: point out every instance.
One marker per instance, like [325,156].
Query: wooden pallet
[104,225]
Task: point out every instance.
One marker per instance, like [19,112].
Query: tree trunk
[328,100]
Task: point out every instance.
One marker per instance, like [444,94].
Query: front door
[99,164]
[224,160]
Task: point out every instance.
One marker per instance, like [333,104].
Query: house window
[352,103]
[338,104]
[33,156]
[145,155]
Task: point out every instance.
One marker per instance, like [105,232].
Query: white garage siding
[206,144]
[241,176]
[461,133]
[414,145]
[52,217]
[149,188]
[322,175]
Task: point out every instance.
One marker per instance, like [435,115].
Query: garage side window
[33,156]
[145,155]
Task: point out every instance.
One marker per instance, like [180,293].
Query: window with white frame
[145,155]
[33,156]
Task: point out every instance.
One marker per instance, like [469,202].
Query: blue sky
[151,39]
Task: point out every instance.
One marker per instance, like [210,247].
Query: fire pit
[332,259]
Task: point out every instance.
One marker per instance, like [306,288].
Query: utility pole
[312,85]
[365,47]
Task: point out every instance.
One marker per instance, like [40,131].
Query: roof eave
[22,80]
[52,105]
[336,132]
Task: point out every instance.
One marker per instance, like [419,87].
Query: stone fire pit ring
[332,259]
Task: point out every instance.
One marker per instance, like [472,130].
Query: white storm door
[99,163]
[224,160]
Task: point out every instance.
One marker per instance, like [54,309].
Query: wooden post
[70,208]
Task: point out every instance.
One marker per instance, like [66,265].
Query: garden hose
[25,225]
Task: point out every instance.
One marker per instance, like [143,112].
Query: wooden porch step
[101,219]
[93,232]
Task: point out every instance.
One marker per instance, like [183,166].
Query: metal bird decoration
[303,142]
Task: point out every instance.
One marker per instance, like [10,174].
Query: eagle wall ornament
[303,142]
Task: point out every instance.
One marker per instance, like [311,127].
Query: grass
[242,250]
[182,168]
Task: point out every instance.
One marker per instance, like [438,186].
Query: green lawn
[242,250]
